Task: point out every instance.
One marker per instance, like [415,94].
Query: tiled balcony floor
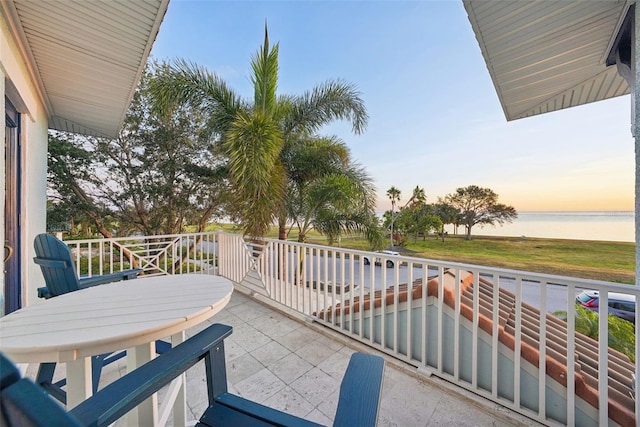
[297,367]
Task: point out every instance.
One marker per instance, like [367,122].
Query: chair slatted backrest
[56,263]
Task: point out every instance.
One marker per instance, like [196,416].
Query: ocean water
[601,225]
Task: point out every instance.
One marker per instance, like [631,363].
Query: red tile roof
[621,405]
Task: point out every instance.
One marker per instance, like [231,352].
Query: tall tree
[159,173]
[479,205]
[447,213]
[394,195]
[417,199]
[71,181]
[256,133]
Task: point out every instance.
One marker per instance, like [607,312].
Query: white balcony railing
[478,327]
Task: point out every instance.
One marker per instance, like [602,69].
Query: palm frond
[264,65]
[308,158]
[184,83]
[332,100]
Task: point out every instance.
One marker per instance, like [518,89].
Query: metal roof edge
[478,35]
[162,10]
[530,112]
[8,10]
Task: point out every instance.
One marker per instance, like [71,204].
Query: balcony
[292,365]
[459,338]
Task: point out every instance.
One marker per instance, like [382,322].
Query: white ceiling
[548,55]
[86,56]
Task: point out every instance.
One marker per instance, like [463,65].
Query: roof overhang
[545,56]
[86,57]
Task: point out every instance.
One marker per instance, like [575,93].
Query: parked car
[378,260]
[620,305]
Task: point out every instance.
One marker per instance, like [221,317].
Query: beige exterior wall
[18,85]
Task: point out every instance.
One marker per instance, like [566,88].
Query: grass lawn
[608,261]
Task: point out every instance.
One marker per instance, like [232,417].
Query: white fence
[156,255]
[487,330]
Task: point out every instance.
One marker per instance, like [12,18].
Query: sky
[434,117]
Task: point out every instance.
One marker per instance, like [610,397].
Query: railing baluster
[383,308]
[517,351]
[318,279]
[440,337]
[308,264]
[325,275]
[542,353]
[372,304]
[495,319]
[409,343]
[603,357]
[100,257]
[361,301]
[456,327]
[334,285]
[571,351]
[474,334]
[396,303]
[424,313]
[352,288]
[90,259]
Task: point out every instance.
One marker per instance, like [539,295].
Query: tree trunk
[282,229]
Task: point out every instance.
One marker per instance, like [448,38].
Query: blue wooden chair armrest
[86,282]
[51,263]
[44,293]
[118,398]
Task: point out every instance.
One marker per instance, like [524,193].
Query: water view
[609,226]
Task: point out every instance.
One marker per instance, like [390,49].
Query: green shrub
[622,335]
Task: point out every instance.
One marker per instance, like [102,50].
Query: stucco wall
[18,85]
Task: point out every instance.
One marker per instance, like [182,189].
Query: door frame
[13,203]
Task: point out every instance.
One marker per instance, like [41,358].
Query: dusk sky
[434,117]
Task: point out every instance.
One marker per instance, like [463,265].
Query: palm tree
[328,192]
[256,134]
[394,195]
[418,198]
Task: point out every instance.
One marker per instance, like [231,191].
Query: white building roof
[86,56]
[548,55]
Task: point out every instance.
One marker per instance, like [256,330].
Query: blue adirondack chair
[24,404]
[56,262]
[58,269]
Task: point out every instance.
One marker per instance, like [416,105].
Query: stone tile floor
[296,366]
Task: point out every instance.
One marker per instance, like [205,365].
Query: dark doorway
[12,287]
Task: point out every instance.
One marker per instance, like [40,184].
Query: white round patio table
[131,314]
